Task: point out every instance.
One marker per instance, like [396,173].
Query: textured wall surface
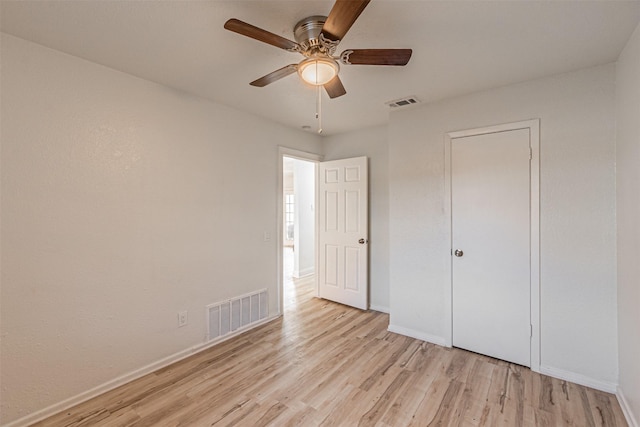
[371,142]
[577,196]
[123,202]
[628,220]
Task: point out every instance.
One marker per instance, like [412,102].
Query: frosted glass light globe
[318,71]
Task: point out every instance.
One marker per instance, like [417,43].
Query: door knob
[362,241]
[458,253]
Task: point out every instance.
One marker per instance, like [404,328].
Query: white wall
[578,267]
[371,142]
[119,200]
[304,235]
[628,217]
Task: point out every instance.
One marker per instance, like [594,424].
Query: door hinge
[530,153]
[530,330]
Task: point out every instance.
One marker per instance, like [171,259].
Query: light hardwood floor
[330,365]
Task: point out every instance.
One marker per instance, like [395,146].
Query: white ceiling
[458,47]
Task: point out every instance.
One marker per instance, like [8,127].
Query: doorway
[492,180]
[340,226]
[298,237]
[296,219]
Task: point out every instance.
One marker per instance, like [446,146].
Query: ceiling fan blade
[334,88]
[376,56]
[256,33]
[276,75]
[342,16]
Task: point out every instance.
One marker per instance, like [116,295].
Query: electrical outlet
[183,318]
[266,236]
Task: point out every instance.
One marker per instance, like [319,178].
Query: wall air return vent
[403,102]
[236,314]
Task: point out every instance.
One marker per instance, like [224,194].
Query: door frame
[300,155]
[533,126]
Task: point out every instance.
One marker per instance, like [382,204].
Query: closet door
[490,213]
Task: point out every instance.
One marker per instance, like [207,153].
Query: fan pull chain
[319,108]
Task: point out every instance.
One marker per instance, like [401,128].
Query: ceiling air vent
[403,102]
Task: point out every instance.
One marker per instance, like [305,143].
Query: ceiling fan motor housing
[307,34]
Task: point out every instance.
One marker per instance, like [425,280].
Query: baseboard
[417,335]
[561,374]
[626,409]
[380,308]
[126,378]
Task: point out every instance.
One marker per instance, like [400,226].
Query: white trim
[524,124]
[434,339]
[534,182]
[580,379]
[296,154]
[380,308]
[534,134]
[448,291]
[626,409]
[128,377]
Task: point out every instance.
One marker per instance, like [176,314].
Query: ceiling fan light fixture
[318,71]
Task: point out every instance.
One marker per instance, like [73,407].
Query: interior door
[490,207]
[343,232]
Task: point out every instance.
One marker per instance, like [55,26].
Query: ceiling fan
[317,38]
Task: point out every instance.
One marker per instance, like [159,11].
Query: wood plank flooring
[324,364]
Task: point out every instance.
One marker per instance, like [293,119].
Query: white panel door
[490,197]
[343,232]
